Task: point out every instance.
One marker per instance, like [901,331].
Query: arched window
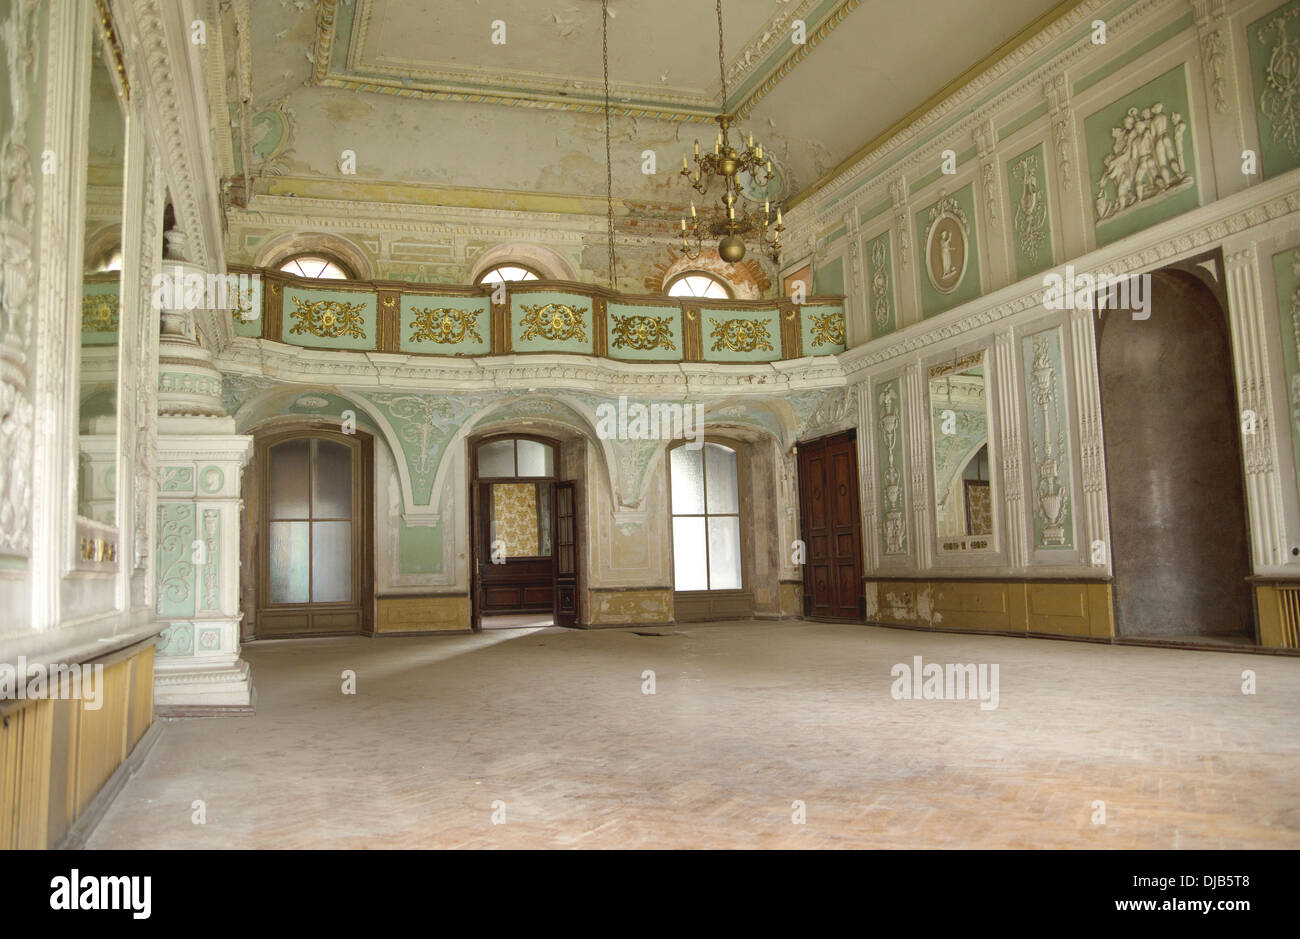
[705,498]
[500,273]
[698,284]
[316,266]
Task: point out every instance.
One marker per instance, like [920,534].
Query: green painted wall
[1286,273]
[1049,440]
[1272,41]
[421,548]
[882,298]
[1031,217]
[828,278]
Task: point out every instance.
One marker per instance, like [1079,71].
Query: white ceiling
[419,89]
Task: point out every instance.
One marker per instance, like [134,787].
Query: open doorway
[524,534]
[1173,463]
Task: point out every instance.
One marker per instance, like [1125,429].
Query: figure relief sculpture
[1146,161]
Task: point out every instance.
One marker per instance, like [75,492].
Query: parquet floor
[746,719]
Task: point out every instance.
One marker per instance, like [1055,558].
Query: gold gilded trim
[741,335]
[99,313]
[444,325]
[554,321]
[827,329]
[643,332]
[329,319]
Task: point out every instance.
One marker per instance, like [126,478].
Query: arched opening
[699,284]
[313,559]
[1173,466]
[523,529]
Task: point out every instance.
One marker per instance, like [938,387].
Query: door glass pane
[331,561]
[720,466]
[331,480]
[724,553]
[687,479]
[289,562]
[497,458]
[288,475]
[535,459]
[689,565]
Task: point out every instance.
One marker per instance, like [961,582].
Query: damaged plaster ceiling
[437,113]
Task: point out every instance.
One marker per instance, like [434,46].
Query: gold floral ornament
[643,332]
[741,335]
[99,313]
[554,321]
[828,329]
[242,308]
[329,319]
[444,325]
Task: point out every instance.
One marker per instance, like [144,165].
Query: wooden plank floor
[746,719]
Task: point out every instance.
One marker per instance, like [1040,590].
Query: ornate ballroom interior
[397,424]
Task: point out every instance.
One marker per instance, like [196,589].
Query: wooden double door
[830,521]
[525,531]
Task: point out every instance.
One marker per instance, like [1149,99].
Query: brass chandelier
[725,164]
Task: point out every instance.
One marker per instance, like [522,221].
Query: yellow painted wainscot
[421,614]
[1277,607]
[618,606]
[57,754]
[1034,607]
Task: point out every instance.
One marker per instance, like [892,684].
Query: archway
[1173,464]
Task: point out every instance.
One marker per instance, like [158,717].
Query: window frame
[482,277]
[319,256]
[538,481]
[741,514]
[683,275]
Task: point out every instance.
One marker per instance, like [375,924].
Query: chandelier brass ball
[731,248]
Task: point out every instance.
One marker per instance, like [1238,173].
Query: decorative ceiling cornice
[762,56]
[957,95]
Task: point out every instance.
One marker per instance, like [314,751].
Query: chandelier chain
[609,158]
[722,66]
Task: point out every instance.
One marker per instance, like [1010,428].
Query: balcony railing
[533,317]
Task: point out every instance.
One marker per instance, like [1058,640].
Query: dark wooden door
[510,582]
[566,554]
[831,527]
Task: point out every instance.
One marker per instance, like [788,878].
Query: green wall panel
[741,335]
[99,304]
[1049,440]
[1286,272]
[245,294]
[1031,217]
[891,467]
[822,328]
[175,569]
[656,328]
[541,322]
[1119,208]
[828,278]
[882,297]
[329,319]
[954,214]
[446,325]
[421,548]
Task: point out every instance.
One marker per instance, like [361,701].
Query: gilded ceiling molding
[557,94]
[155,35]
[826,194]
[814,39]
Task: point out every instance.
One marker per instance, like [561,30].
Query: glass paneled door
[314,575]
